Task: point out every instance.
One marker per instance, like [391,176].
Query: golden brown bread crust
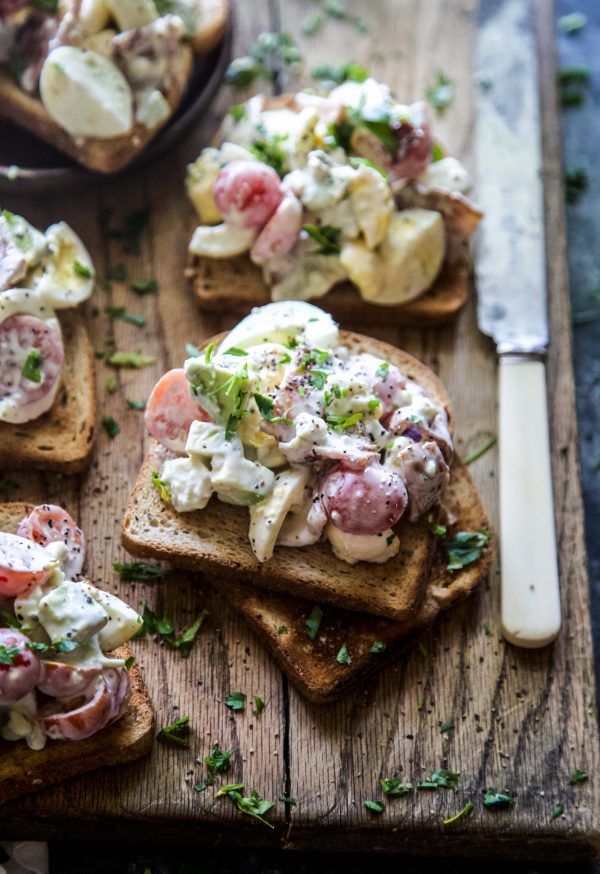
[23,770]
[63,438]
[279,620]
[215,540]
[106,156]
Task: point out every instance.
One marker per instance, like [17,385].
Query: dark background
[581,131]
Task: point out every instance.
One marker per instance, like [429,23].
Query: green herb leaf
[82,270]
[441,94]
[63,645]
[259,705]
[311,24]
[116,273]
[217,762]
[176,733]
[446,726]
[137,405]
[125,316]
[558,810]
[481,450]
[236,701]
[111,427]
[572,23]
[340,423]
[395,788]
[287,800]
[356,161]
[242,72]
[8,654]
[461,813]
[270,152]
[437,153]
[282,629]
[139,571]
[378,646]
[235,351]
[382,370]
[442,778]
[11,621]
[497,799]
[350,72]
[185,641]
[438,530]
[313,622]
[160,486]
[129,663]
[252,805]
[576,182]
[32,367]
[487,629]
[375,806]
[326,236]
[238,112]
[111,385]
[144,286]
[464,548]
[130,359]
[192,350]
[343,656]
[578,776]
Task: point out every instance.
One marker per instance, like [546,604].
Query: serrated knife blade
[512,309]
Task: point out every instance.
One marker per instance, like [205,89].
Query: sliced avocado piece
[221,385]
[267,517]
[237,480]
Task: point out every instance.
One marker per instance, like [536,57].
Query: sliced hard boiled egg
[130,14]
[86,94]
[221,241]
[65,276]
[412,254]
[364,267]
[281,322]
[372,203]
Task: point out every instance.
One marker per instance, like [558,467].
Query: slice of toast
[23,770]
[279,620]
[215,540]
[63,438]
[104,155]
[236,285]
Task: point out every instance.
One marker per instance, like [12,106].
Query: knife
[510,271]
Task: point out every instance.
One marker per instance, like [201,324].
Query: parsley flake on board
[144,286]
[446,726]
[313,622]
[558,810]
[236,701]
[311,24]
[378,646]
[140,406]
[464,548]
[259,705]
[116,273]
[111,426]
[572,82]
[217,762]
[252,805]
[326,236]
[576,181]
[441,93]
[111,385]
[271,55]
[442,778]
[343,656]
[134,360]
[375,806]
[349,72]
[176,733]
[125,316]
[578,776]
[481,450]
[466,810]
[160,486]
[497,799]
[395,788]
[163,626]
[32,367]
[129,233]
[270,152]
[286,799]
[282,629]
[572,22]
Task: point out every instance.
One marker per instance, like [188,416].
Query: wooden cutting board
[523,721]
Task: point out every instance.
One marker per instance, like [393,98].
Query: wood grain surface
[523,720]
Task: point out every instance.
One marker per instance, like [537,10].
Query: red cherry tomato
[20,670]
[366,501]
[48,524]
[171,409]
[247,193]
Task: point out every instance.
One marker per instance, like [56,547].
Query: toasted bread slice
[215,540]
[63,438]
[213,16]
[236,285]
[279,620]
[106,156]
[23,770]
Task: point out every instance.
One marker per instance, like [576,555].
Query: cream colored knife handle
[529,570]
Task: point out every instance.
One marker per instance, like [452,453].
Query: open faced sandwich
[98,78]
[47,402]
[343,196]
[64,670]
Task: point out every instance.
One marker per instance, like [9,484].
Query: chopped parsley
[497,799]
[287,800]
[252,805]
[466,810]
[311,24]
[176,733]
[313,622]
[32,367]
[111,385]
[446,726]
[271,54]
[572,22]
[578,776]
[259,705]
[82,270]
[442,778]
[375,806]
[160,486]
[238,112]
[11,621]
[576,182]
[349,72]
[129,663]
[265,408]
[63,645]
[464,548]
[138,571]
[437,153]
[326,236]
[116,273]
[441,93]
[163,626]
[270,152]
[217,762]
[125,316]
[341,423]
[129,233]
[382,370]
[343,656]
[572,82]
[8,654]
[356,162]
[236,701]
[111,426]
[144,286]
[185,641]
[481,450]
[558,810]
[134,360]
[282,629]
[137,405]
[395,788]
[487,629]
[378,646]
